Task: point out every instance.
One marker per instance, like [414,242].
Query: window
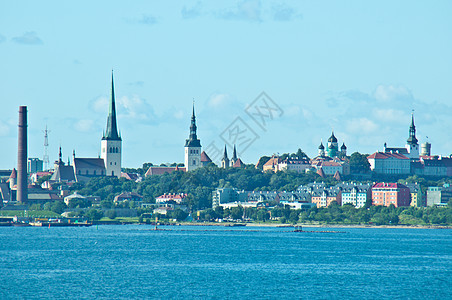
[94,172]
[87,172]
[194,162]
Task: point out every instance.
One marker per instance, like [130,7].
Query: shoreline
[313,225]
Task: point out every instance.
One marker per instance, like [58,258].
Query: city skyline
[359,69]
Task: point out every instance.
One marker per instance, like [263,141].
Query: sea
[215,262]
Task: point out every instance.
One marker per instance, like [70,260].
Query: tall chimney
[22,178]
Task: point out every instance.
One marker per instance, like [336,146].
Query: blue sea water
[187,262]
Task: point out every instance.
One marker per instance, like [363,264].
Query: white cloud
[134,108]
[391,115]
[219,100]
[361,125]
[247,10]
[386,93]
[191,12]
[100,105]
[84,125]
[179,114]
[28,38]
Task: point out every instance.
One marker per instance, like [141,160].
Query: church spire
[112,129]
[412,140]
[193,140]
[234,155]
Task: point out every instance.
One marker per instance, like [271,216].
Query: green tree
[359,163]
[111,214]
[93,214]
[58,207]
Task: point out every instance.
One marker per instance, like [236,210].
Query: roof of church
[205,157]
[89,163]
[332,138]
[13,174]
[63,173]
[112,129]
[238,163]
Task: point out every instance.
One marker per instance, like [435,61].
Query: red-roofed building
[389,163]
[384,193]
[205,159]
[178,198]
[272,164]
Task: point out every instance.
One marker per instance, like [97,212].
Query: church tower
[234,157]
[225,159]
[111,141]
[412,145]
[192,147]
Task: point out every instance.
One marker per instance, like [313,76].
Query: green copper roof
[112,129]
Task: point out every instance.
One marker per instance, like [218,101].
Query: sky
[269,76]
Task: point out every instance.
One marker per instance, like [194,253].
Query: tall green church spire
[112,129]
[193,140]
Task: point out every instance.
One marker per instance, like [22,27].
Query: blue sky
[358,67]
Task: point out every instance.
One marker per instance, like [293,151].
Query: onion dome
[332,138]
[321,146]
[343,147]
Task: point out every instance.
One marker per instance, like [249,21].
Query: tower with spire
[225,159]
[412,145]
[111,144]
[234,157]
[192,146]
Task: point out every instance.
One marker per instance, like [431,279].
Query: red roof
[13,174]
[272,161]
[321,173]
[389,185]
[205,157]
[172,196]
[384,155]
[163,170]
[238,163]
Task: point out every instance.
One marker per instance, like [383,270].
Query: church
[109,162]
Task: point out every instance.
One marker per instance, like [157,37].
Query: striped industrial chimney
[22,178]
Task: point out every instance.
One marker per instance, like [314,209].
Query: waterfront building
[324,197]
[355,194]
[417,195]
[192,147]
[439,196]
[384,193]
[177,198]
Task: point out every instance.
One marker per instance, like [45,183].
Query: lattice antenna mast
[46,149]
